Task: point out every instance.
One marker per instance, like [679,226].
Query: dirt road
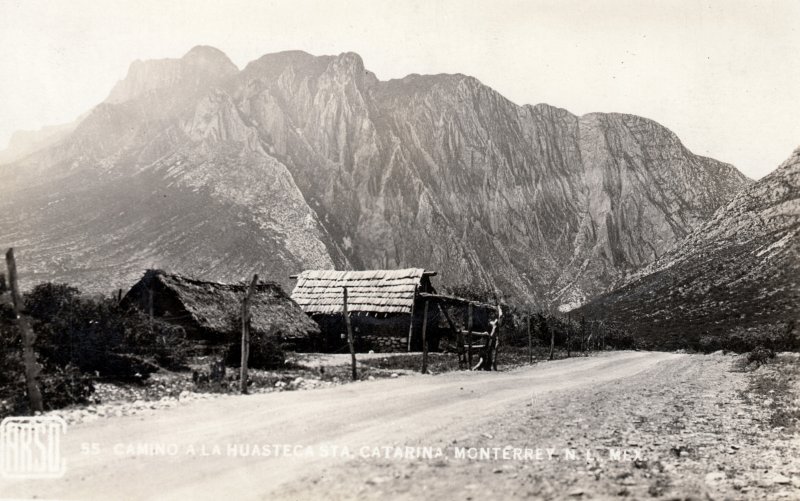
[358,440]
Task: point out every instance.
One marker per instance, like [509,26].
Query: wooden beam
[246,334]
[32,367]
[495,340]
[424,339]
[530,341]
[411,322]
[454,299]
[429,273]
[350,340]
[293,277]
[469,336]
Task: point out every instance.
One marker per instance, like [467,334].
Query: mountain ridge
[737,272]
[438,171]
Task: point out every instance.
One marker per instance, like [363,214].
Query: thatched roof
[372,291]
[213,305]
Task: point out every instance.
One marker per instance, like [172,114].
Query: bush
[760,355]
[97,336]
[265,352]
[10,348]
[63,386]
[774,337]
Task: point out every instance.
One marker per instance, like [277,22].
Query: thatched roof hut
[370,291]
[210,310]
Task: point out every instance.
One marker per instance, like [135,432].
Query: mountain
[25,142]
[299,161]
[739,270]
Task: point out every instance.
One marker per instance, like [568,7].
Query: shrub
[265,352]
[10,348]
[63,386]
[97,336]
[775,337]
[760,355]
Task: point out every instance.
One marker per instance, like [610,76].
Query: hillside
[739,271]
[299,161]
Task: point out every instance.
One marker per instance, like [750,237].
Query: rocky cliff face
[300,161]
[740,269]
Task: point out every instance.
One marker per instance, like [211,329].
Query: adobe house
[210,311]
[387,310]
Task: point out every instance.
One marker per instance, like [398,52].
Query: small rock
[394,375]
[781,479]
[576,493]
[715,477]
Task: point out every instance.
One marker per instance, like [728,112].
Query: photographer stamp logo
[30,447]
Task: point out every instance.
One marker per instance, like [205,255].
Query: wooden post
[424,338]
[119,296]
[32,367]
[495,344]
[569,333]
[552,339]
[603,326]
[350,340]
[411,322]
[150,306]
[245,334]
[530,343]
[469,336]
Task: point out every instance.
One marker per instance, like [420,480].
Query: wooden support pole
[530,342]
[569,333]
[150,307]
[495,339]
[350,340]
[469,336]
[603,326]
[552,340]
[411,322]
[424,338]
[32,367]
[245,334]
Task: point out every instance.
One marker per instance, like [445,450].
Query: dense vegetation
[81,340]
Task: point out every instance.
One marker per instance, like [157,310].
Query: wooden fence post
[32,367]
[552,340]
[350,340]
[569,333]
[603,327]
[530,343]
[496,338]
[245,334]
[424,338]
[411,322]
[150,307]
[469,336]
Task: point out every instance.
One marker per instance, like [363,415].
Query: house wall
[381,334]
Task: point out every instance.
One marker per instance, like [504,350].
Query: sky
[723,75]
